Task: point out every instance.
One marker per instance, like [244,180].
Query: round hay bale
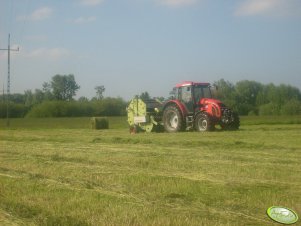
[99,123]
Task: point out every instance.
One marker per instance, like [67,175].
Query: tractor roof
[189,83]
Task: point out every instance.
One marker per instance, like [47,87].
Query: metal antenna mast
[8,78]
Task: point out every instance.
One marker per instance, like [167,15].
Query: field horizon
[61,172]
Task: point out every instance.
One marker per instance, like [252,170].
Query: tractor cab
[190,94]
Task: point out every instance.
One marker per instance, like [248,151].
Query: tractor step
[189,121]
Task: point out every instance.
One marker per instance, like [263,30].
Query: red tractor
[192,106]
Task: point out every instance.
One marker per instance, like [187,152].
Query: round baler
[143,115]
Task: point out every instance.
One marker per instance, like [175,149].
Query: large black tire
[173,119]
[203,123]
[234,124]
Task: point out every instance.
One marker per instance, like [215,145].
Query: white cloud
[177,3]
[39,14]
[48,53]
[269,8]
[91,2]
[83,20]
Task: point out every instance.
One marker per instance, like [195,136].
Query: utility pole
[8,78]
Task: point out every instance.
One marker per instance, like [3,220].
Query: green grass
[120,122]
[64,173]
[59,123]
[271,120]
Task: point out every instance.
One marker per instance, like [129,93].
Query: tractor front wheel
[172,119]
[233,124]
[203,123]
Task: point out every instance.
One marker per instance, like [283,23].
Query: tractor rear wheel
[172,119]
[203,123]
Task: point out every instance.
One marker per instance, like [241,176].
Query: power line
[8,78]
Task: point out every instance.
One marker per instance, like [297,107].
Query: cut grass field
[60,172]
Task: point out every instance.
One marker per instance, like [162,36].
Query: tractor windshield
[202,91]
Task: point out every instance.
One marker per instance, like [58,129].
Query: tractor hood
[213,107]
[206,101]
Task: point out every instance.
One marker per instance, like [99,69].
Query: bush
[109,107]
[292,107]
[60,109]
[105,107]
[47,109]
[99,123]
[269,109]
[15,110]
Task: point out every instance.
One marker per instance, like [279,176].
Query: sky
[132,46]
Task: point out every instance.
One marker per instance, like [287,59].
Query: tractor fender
[179,105]
[211,107]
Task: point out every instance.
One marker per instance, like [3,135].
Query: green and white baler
[144,115]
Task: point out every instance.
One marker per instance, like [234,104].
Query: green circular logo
[282,215]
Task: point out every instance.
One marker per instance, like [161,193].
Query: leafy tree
[28,96]
[113,106]
[172,94]
[38,96]
[262,96]
[161,99]
[225,92]
[281,99]
[99,92]
[64,87]
[269,109]
[145,96]
[247,92]
[47,91]
[292,107]
[17,98]
[83,99]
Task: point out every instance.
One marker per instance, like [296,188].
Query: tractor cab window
[206,92]
[186,94]
[186,97]
[201,92]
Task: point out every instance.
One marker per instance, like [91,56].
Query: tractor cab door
[185,95]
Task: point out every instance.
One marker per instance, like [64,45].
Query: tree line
[253,98]
[56,99]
